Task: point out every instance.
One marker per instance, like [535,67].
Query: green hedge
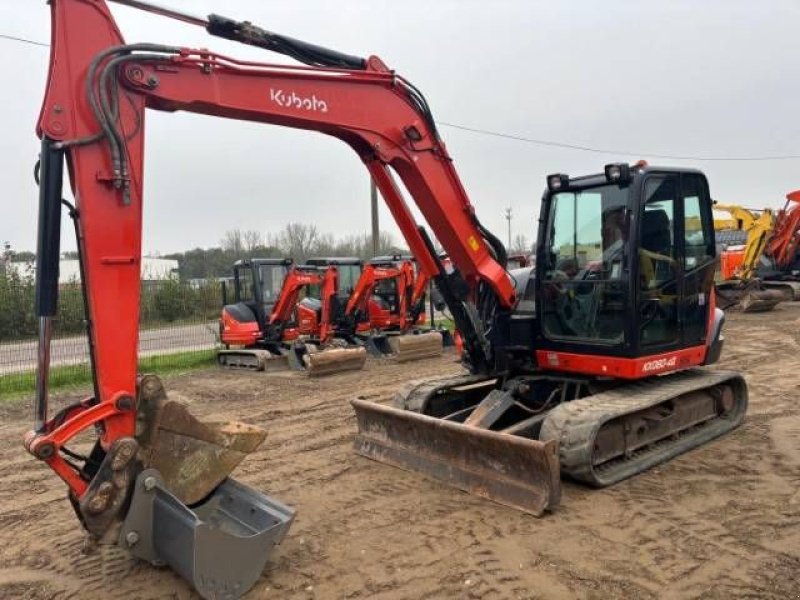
[162,302]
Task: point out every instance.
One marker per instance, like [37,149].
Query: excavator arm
[93,120]
[416,305]
[296,280]
[363,290]
[758,227]
[784,245]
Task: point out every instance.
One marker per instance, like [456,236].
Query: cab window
[698,238]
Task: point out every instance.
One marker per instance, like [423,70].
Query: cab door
[698,255]
[676,262]
[658,285]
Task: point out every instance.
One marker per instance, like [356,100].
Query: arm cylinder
[48,248]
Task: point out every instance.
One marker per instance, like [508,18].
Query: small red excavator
[588,366]
[397,299]
[262,330]
[351,311]
[393,292]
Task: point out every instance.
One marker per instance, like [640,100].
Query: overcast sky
[713,78]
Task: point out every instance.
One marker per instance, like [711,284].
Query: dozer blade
[507,469]
[760,300]
[185,511]
[410,347]
[334,360]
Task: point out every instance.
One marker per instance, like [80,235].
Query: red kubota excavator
[391,296]
[328,331]
[397,299]
[587,366]
[269,330]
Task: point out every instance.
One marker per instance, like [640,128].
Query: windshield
[272,277]
[584,292]
[587,233]
[348,277]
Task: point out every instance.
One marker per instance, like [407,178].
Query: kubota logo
[660,364]
[292,100]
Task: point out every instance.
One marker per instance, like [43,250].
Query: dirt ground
[720,522]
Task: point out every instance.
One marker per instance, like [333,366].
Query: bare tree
[297,240]
[232,241]
[251,239]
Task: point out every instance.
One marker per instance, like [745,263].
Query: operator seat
[656,236]
[655,256]
[657,273]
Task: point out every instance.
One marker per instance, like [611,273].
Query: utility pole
[508,218]
[373,194]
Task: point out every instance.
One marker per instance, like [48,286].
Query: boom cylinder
[48,247]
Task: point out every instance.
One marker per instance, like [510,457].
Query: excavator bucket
[416,346]
[220,545]
[508,469]
[754,300]
[185,510]
[749,296]
[377,345]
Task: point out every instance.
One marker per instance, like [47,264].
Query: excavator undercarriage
[508,441]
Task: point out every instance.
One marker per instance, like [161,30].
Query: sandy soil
[720,522]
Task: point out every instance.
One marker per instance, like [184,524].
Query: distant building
[153,269]
[198,282]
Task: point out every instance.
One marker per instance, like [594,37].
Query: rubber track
[575,424]
[414,395]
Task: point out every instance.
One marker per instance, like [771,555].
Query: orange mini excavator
[591,365]
[351,310]
[393,293]
[265,328]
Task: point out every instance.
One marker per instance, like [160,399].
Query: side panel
[622,368]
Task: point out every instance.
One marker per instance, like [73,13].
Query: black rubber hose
[310,54]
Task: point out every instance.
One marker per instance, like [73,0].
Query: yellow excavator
[740,285]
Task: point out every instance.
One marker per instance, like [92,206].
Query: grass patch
[76,376]
[445,322]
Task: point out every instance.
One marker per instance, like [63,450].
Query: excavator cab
[623,290]
[348,272]
[627,263]
[257,285]
[385,301]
